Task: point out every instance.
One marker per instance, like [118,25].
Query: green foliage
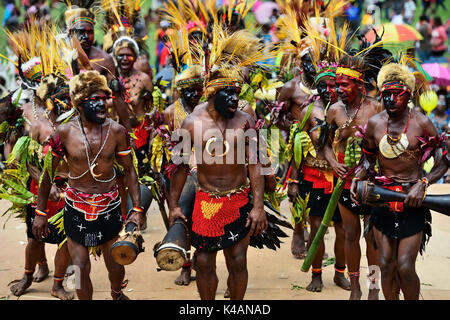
[300,211]
[352,152]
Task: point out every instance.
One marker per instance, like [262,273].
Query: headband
[126,39]
[350,73]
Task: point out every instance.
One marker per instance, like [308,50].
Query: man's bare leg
[339,253]
[316,284]
[408,248]
[352,228]
[116,272]
[62,260]
[237,268]
[185,277]
[206,276]
[43,271]
[33,252]
[387,249]
[372,259]
[298,247]
[80,257]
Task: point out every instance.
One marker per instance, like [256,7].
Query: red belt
[53,207]
[319,178]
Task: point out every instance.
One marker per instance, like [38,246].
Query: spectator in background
[410,11]
[10,16]
[438,41]
[426,4]
[398,18]
[424,46]
[439,117]
[352,13]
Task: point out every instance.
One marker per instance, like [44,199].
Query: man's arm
[257,216]
[285,95]
[177,182]
[417,192]
[133,186]
[369,156]
[40,224]
[340,168]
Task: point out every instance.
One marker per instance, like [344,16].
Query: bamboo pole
[324,225]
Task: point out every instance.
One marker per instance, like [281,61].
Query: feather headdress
[397,73]
[227,55]
[80,11]
[41,52]
[185,60]
[191,16]
[300,16]
[120,17]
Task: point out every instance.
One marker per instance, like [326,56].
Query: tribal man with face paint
[139,87]
[353,109]
[396,139]
[313,177]
[92,214]
[298,94]
[80,22]
[223,217]
[189,84]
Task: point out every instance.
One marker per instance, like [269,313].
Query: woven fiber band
[329,72]
[189,82]
[395,85]
[224,82]
[78,19]
[350,73]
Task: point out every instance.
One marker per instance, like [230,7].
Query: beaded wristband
[292,181]
[138,209]
[40,213]
[425,181]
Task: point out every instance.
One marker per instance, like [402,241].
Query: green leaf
[20,189]
[15,199]
[297,150]
[4,126]
[48,164]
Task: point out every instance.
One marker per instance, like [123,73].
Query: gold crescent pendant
[393,151]
[92,171]
[213,140]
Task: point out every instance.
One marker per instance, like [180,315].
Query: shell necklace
[393,147]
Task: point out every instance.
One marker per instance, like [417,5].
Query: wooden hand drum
[126,249]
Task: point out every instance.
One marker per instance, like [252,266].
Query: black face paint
[191,96]
[92,107]
[395,103]
[308,68]
[226,101]
[322,90]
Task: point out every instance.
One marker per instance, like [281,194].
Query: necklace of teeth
[93,164]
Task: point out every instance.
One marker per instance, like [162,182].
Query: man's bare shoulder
[65,129]
[288,89]
[422,120]
[377,119]
[198,113]
[335,107]
[116,127]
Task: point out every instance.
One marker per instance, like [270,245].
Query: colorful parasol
[440,74]
[395,33]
